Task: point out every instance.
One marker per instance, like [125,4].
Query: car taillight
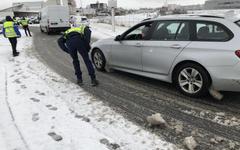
[237,53]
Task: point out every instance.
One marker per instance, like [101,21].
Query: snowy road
[137,97]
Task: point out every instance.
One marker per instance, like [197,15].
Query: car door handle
[176,46]
[138,45]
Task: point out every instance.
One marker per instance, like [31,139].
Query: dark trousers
[13,42]
[75,46]
[27,30]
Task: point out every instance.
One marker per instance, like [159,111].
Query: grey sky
[121,3]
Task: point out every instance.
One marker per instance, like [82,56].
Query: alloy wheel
[98,60]
[190,80]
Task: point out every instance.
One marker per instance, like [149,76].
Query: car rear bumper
[58,29]
[226,78]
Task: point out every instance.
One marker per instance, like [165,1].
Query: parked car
[54,19]
[192,52]
[81,20]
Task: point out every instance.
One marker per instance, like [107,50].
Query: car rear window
[209,31]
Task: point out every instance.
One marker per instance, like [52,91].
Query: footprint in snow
[17,81]
[25,77]
[40,93]
[55,136]
[50,107]
[111,146]
[83,118]
[20,73]
[35,117]
[23,86]
[53,108]
[35,100]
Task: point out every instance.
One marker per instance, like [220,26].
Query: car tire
[98,59]
[192,80]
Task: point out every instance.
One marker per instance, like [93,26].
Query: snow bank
[103,31]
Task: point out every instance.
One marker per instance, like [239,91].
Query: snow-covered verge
[103,31]
[41,110]
[126,20]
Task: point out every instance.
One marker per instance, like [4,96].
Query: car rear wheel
[99,60]
[192,80]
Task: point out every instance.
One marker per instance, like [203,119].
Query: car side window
[211,32]
[140,33]
[183,32]
[171,31]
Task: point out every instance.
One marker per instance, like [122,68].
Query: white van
[54,19]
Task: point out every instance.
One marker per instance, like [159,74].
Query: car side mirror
[118,38]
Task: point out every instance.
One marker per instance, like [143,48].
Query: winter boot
[94,82]
[80,82]
[15,54]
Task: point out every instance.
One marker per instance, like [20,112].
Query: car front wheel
[192,80]
[99,60]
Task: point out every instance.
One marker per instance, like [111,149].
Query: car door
[168,39]
[127,52]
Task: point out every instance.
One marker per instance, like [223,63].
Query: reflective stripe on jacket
[9,29]
[24,22]
[79,30]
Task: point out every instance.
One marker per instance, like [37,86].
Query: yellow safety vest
[9,29]
[24,22]
[15,21]
[77,29]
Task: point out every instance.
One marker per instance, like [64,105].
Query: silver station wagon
[192,52]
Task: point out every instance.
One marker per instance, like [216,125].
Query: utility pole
[113,5]
[113,19]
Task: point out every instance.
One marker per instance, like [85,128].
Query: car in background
[192,52]
[54,19]
[82,20]
[34,20]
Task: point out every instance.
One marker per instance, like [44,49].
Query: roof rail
[146,19]
[206,15]
[211,16]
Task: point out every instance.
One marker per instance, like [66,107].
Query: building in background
[89,12]
[193,7]
[27,9]
[99,6]
[71,4]
[222,4]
